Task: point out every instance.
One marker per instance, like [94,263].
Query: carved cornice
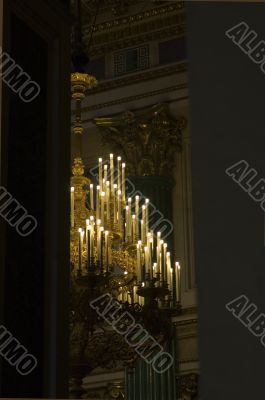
[135,98]
[140,77]
[148,139]
[155,24]
[136,18]
[109,46]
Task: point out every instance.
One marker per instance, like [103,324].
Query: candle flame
[100,160]
[111,156]
[72,189]
[91,185]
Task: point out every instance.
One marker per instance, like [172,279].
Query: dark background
[227,122]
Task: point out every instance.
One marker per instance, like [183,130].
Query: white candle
[123,181]
[105,177]
[100,246]
[169,271]
[79,250]
[108,201]
[72,207]
[92,224]
[161,259]
[158,252]
[88,243]
[100,173]
[111,174]
[144,225]
[150,258]
[92,196]
[146,259]
[119,208]
[126,223]
[142,231]
[98,203]
[119,173]
[139,274]
[165,262]
[81,241]
[102,206]
[106,250]
[178,283]
[133,228]
[137,215]
[115,203]
[98,239]
[129,219]
[147,215]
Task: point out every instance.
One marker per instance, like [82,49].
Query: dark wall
[35,167]
[227,122]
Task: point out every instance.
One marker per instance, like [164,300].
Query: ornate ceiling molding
[136,18]
[155,24]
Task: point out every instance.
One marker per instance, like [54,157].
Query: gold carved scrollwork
[148,140]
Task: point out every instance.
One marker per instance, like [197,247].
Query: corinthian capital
[147,140]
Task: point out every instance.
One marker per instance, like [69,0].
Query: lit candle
[178,283]
[126,223]
[108,201]
[92,224]
[147,215]
[115,204]
[123,181]
[161,259]
[137,215]
[88,243]
[150,256]
[146,258]
[105,176]
[102,206]
[92,196]
[101,246]
[154,268]
[98,239]
[80,247]
[111,174]
[72,207]
[144,225]
[158,252]
[169,272]
[119,173]
[98,203]
[165,262]
[142,231]
[129,219]
[133,228]
[119,208]
[106,250]
[139,245]
[100,172]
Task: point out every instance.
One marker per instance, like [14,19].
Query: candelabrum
[113,250]
[111,236]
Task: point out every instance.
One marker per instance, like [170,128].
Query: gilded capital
[148,140]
